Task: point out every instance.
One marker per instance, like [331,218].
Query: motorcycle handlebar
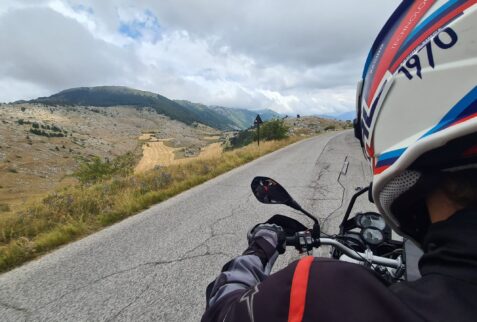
[291,240]
[364,257]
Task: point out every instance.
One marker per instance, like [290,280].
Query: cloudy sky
[293,56]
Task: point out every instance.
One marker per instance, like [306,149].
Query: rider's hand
[266,241]
[272,233]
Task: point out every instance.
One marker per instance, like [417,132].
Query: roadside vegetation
[271,130]
[109,192]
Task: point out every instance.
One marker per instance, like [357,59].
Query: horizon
[338,116]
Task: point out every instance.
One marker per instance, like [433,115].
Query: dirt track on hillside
[159,154]
[155,153]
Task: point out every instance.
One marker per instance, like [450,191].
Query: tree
[274,130]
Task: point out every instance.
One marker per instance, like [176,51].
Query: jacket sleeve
[336,291]
[241,275]
[266,300]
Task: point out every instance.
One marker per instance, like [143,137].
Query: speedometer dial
[372,236]
[371,219]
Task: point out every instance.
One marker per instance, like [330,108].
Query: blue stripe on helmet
[435,16]
[390,157]
[457,112]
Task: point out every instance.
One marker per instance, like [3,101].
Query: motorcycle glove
[266,241]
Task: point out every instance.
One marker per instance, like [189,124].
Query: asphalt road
[156,265]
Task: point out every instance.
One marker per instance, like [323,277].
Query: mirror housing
[268,191]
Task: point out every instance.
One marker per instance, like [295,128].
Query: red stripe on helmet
[429,32]
[380,170]
[414,15]
[370,151]
[464,119]
[298,289]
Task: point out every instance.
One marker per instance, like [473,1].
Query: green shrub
[46,133]
[94,170]
[270,130]
[97,169]
[273,130]
[243,138]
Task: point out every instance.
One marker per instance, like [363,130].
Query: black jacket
[339,291]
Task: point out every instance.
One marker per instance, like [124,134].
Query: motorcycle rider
[417,124]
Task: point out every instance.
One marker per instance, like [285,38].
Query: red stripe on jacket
[298,289]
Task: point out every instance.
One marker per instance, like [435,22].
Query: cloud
[307,33]
[56,52]
[295,58]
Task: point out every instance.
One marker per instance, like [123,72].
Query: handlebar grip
[291,240]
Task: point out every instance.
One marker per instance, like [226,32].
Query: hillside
[187,112]
[42,145]
[106,96]
[310,125]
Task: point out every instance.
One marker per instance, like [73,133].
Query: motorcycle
[365,238]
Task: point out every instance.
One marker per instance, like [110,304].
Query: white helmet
[417,106]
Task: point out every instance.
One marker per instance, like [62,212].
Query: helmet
[417,106]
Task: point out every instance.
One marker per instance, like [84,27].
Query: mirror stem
[316,226]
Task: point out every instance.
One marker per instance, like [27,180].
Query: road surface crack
[214,233]
[102,278]
[136,298]
[343,193]
[186,257]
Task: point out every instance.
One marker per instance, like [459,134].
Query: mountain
[208,116]
[187,112]
[105,96]
[235,118]
[243,118]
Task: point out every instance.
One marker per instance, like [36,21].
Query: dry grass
[75,212]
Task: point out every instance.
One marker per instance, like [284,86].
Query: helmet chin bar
[357,121]
[357,131]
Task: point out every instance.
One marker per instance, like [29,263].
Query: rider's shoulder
[333,272]
[345,271]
